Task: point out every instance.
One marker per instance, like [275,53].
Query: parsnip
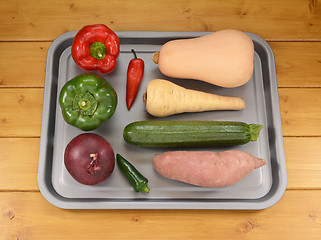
[164,98]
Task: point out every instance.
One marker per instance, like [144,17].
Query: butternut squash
[164,98]
[223,58]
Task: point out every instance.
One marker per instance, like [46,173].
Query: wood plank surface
[20,112]
[300,111]
[25,20]
[23,64]
[303,162]
[291,27]
[298,64]
[29,216]
[302,157]
[19,164]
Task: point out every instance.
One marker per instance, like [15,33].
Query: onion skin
[89,158]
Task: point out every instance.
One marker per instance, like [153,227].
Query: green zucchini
[190,133]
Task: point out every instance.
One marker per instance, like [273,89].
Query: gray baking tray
[261,189]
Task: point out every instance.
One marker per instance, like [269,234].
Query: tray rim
[249,204]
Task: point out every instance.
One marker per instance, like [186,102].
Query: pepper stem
[135,55]
[98,50]
[85,104]
[145,189]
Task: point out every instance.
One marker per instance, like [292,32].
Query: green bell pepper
[87,101]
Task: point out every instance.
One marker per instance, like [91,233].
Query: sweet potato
[205,168]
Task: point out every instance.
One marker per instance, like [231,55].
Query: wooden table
[27,28]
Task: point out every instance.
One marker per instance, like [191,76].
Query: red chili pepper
[135,74]
[96,47]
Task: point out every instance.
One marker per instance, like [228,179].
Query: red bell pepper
[135,74]
[96,47]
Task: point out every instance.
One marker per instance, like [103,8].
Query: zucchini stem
[254,130]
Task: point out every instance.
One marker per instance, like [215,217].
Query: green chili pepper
[137,180]
[87,101]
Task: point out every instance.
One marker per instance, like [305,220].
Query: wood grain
[20,112]
[29,216]
[300,111]
[298,64]
[274,20]
[19,164]
[291,27]
[23,64]
[302,156]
